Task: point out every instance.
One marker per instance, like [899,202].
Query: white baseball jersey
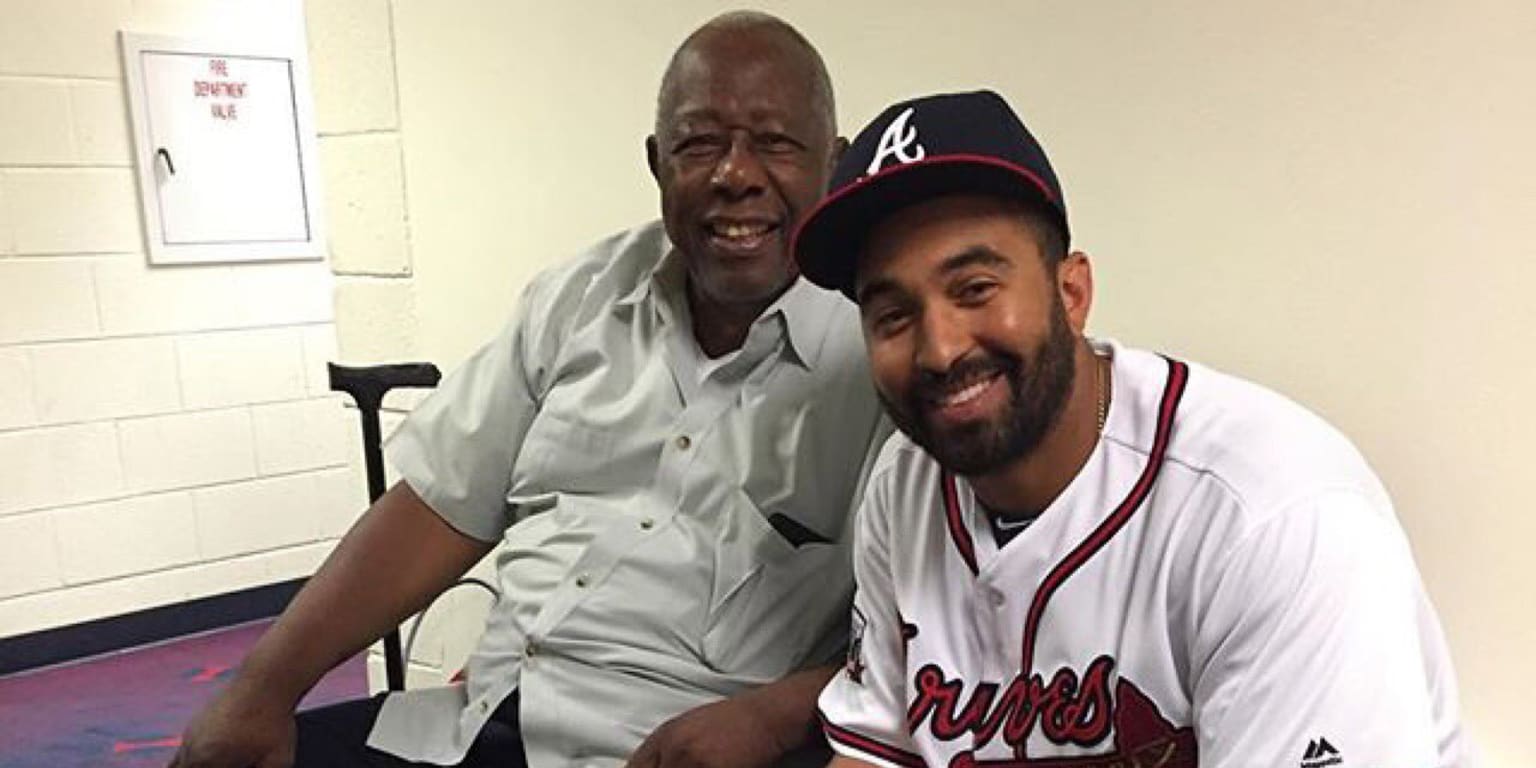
[1224,583]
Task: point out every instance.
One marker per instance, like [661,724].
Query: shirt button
[583,580]
[485,706]
[647,524]
[683,442]
[531,650]
[998,598]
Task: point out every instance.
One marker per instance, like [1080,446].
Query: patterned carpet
[127,709]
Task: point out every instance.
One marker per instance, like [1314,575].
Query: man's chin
[740,286]
[968,460]
[966,449]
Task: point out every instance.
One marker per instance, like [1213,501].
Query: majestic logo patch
[854,667]
[899,141]
[1067,710]
[1320,754]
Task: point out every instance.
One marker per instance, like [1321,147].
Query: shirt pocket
[773,602]
[562,455]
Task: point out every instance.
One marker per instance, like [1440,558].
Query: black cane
[367,386]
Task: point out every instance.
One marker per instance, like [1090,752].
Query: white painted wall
[165,433]
[1332,198]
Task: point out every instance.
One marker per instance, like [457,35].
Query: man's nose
[941,341]
[740,172]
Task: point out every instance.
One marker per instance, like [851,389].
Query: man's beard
[1038,388]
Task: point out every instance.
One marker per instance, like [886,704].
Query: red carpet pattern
[127,709]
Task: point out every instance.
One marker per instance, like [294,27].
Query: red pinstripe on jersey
[1173,391]
[869,746]
[957,529]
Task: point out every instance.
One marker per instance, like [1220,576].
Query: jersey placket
[994,639]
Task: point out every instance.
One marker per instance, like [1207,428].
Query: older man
[667,438]
[1081,554]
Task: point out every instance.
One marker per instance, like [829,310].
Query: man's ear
[1074,280]
[651,158]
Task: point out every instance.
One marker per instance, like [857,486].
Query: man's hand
[750,730]
[726,734]
[397,557]
[234,732]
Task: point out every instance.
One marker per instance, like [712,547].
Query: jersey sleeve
[456,449]
[861,708]
[1314,648]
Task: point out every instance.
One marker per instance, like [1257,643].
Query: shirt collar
[669,261]
[805,310]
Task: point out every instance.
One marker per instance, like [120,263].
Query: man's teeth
[740,231]
[966,395]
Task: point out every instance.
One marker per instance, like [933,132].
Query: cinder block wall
[351,44]
[165,433]
[353,58]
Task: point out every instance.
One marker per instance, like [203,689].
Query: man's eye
[975,290]
[890,321]
[698,146]
[777,143]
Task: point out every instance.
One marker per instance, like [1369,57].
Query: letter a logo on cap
[897,140]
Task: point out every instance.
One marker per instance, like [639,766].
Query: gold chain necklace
[1098,381]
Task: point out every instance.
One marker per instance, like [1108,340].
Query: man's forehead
[763,108]
[922,242]
[757,111]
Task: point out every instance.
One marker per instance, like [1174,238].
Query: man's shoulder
[1234,421]
[1261,448]
[609,268]
[584,287]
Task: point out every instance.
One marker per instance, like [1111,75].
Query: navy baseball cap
[952,143]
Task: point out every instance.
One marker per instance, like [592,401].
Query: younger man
[1083,554]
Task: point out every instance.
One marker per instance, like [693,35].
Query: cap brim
[829,240]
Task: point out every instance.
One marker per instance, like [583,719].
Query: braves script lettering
[1068,710]
[899,141]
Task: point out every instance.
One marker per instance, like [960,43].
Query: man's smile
[972,399]
[741,236]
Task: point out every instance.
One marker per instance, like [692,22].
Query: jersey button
[997,597]
[583,580]
[683,442]
[647,524]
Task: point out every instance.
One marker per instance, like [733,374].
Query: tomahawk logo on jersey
[1181,603]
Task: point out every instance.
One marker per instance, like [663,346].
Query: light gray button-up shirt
[675,529]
